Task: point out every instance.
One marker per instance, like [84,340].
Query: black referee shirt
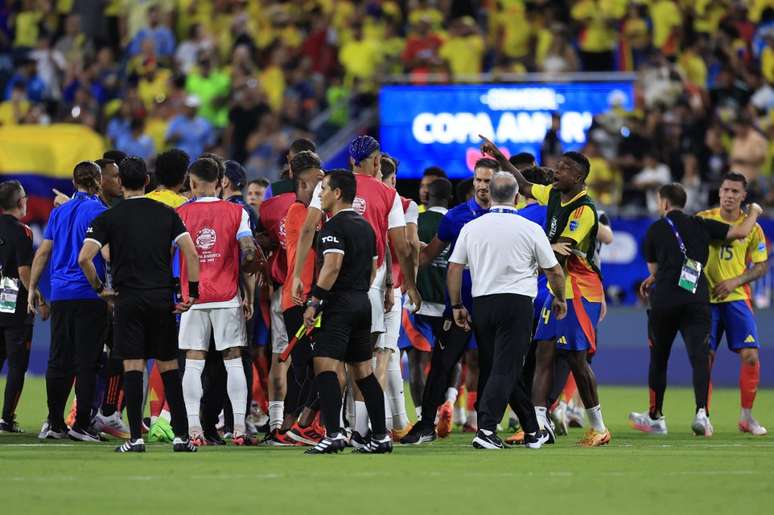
[15,251]
[349,234]
[140,232]
[661,247]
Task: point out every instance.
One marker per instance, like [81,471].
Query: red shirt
[215,227]
[294,221]
[271,213]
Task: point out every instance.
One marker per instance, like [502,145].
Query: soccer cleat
[445,415]
[180,445]
[549,428]
[398,434]
[213,438]
[308,435]
[469,428]
[516,438]
[419,434]
[514,426]
[84,434]
[752,426]
[358,441]
[575,415]
[277,439]
[112,425]
[70,420]
[10,426]
[594,439]
[132,446]
[535,440]
[484,441]
[161,431]
[228,435]
[643,422]
[559,418]
[381,445]
[329,445]
[49,433]
[701,425]
[197,439]
[243,440]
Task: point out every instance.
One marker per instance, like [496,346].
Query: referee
[347,245]
[139,233]
[504,251]
[676,249]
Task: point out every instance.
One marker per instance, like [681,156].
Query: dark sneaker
[536,440]
[358,441]
[484,441]
[10,426]
[84,434]
[381,445]
[132,446]
[329,445]
[183,445]
[419,434]
[213,438]
[48,432]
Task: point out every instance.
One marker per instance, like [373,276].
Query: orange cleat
[516,438]
[398,434]
[595,439]
[308,435]
[198,440]
[469,428]
[445,414]
[70,420]
[242,440]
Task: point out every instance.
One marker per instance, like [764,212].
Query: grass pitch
[636,473]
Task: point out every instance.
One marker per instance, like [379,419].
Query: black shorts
[144,326]
[345,329]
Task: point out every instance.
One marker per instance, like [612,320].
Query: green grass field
[637,473]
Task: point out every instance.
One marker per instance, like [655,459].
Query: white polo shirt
[504,251]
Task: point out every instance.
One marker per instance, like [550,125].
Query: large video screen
[439,125]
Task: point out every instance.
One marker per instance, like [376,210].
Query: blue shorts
[575,332]
[735,319]
[418,331]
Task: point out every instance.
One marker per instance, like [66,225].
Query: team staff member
[222,232]
[15,323]
[347,247]
[728,279]
[453,340]
[571,221]
[429,176]
[78,315]
[503,251]
[140,233]
[676,249]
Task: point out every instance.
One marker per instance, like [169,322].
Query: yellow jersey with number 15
[730,259]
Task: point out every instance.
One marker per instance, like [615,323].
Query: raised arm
[741,231]
[490,149]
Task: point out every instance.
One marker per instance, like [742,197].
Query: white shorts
[279,335]
[227,325]
[376,296]
[389,338]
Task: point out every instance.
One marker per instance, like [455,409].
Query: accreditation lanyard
[691,270]
[503,210]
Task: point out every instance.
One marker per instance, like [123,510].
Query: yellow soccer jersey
[730,259]
[167,197]
[581,280]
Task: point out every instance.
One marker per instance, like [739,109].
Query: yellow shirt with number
[728,260]
[580,278]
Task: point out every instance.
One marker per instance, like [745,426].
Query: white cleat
[643,422]
[112,425]
[46,433]
[701,424]
[752,426]
[559,418]
[575,415]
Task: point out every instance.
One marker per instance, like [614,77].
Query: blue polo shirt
[448,231]
[537,213]
[67,229]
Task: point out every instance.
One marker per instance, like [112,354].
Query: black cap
[236,174]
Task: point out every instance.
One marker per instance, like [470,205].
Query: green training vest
[558,215]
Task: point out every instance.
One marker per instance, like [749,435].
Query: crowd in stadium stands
[247,77]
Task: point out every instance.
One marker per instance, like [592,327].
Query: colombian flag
[41,158]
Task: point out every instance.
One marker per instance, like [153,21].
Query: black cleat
[419,434]
[357,441]
[381,445]
[84,434]
[183,445]
[329,445]
[132,446]
[213,438]
[484,441]
[10,426]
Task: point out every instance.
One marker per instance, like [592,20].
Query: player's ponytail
[88,175]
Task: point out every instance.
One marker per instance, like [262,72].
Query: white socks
[451,394]
[276,414]
[418,411]
[542,418]
[361,418]
[394,393]
[192,392]
[595,419]
[236,386]
[746,414]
